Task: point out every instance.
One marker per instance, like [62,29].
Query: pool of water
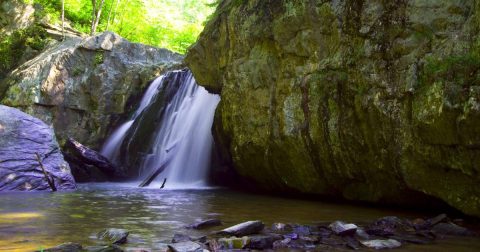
[31,221]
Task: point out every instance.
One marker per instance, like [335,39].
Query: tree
[113,8]
[96,14]
[63,19]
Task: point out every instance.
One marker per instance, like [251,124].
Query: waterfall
[112,145]
[178,132]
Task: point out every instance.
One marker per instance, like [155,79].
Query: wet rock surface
[245,228]
[312,237]
[66,247]
[83,156]
[206,224]
[21,138]
[113,235]
[366,100]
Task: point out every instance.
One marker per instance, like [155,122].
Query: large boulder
[22,137]
[14,15]
[83,85]
[368,100]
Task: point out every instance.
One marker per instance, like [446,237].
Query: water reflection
[34,220]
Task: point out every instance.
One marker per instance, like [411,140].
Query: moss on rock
[367,100]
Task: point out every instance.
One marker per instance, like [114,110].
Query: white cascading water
[183,136]
[112,145]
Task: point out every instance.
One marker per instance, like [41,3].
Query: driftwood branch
[45,173]
[169,156]
[154,174]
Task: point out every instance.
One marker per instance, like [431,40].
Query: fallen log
[154,174]
[159,170]
[50,181]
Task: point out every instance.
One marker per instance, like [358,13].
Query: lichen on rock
[82,86]
[375,101]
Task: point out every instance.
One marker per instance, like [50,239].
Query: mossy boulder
[375,101]
[83,86]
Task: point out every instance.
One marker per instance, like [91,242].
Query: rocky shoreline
[385,233]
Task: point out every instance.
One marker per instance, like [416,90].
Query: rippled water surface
[31,221]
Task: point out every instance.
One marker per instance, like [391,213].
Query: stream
[32,221]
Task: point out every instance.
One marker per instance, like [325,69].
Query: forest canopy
[171,24]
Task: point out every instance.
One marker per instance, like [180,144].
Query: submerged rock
[281,244]
[342,228]
[187,246]
[66,247]
[263,241]
[367,100]
[21,138]
[110,248]
[450,229]
[113,235]
[206,224]
[181,238]
[382,244]
[245,228]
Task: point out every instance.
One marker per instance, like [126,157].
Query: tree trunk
[94,11]
[63,19]
[99,13]
[113,7]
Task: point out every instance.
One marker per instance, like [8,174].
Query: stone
[83,172]
[281,227]
[186,246]
[450,229]
[181,238]
[381,244]
[234,242]
[84,87]
[437,219]
[113,235]
[262,242]
[352,243]
[414,239]
[280,244]
[323,232]
[362,234]
[333,241]
[66,247]
[343,229]
[90,157]
[21,138]
[331,113]
[245,228]
[206,224]
[301,230]
[109,248]
[292,236]
[388,226]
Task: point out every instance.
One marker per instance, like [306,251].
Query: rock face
[14,14]
[21,137]
[368,100]
[81,86]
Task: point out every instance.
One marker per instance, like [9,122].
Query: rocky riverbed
[155,218]
[385,233]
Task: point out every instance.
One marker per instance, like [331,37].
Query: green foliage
[172,24]
[13,46]
[462,70]
[99,57]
